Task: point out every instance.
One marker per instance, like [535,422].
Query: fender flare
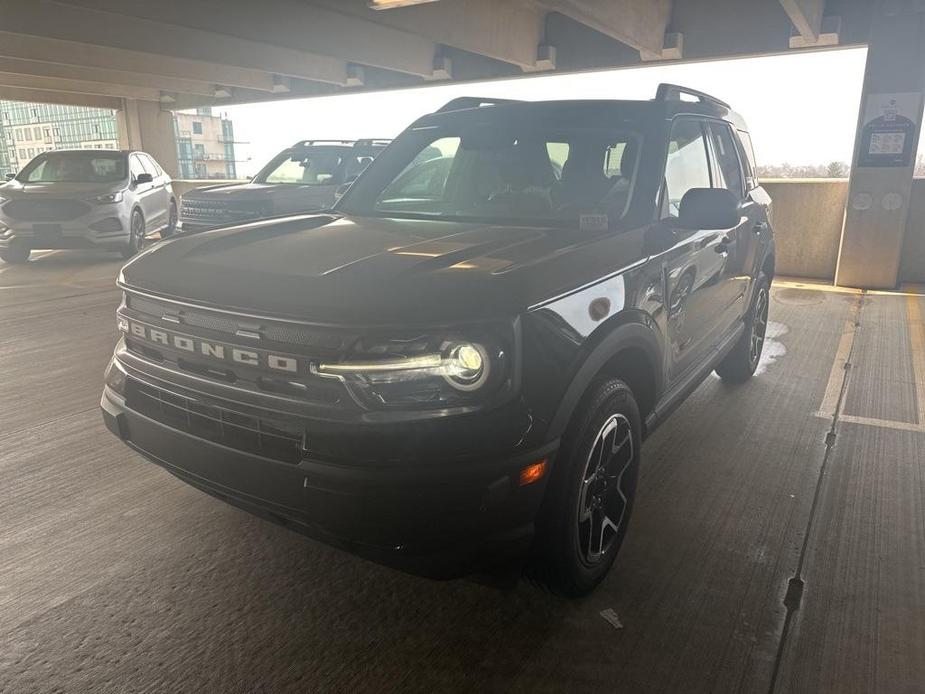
[630,334]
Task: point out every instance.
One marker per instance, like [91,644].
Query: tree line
[834,169]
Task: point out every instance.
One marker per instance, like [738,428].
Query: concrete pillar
[888,130]
[144,125]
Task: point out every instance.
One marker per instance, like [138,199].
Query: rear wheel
[739,365]
[15,255]
[591,494]
[136,240]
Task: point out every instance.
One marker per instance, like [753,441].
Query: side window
[729,175]
[136,167]
[687,166]
[558,155]
[150,165]
[744,142]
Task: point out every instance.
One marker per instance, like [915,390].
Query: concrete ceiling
[213,52]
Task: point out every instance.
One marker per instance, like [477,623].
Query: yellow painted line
[882,423]
[791,283]
[917,345]
[838,373]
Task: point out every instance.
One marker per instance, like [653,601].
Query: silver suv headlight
[108,198]
[441,370]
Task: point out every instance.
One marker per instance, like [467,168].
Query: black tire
[15,255]
[136,239]
[580,499]
[172,217]
[739,365]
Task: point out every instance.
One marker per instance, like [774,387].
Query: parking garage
[778,538]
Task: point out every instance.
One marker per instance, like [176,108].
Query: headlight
[427,371]
[108,198]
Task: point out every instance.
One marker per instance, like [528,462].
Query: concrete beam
[84,55]
[53,84]
[146,126]
[806,16]
[102,75]
[637,23]
[507,31]
[40,96]
[62,20]
[286,24]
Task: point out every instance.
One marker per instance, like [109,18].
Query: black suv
[303,178]
[455,369]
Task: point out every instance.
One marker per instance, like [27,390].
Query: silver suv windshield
[511,173]
[75,167]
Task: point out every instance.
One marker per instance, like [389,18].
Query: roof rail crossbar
[674,91]
[462,102]
[372,141]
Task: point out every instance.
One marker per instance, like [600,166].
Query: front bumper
[106,227]
[440,519]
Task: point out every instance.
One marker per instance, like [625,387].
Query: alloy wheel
[602,503]
[759,326]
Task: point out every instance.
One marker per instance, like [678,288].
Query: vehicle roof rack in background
[309,143]
[673,92]
[462,102]
[373,142]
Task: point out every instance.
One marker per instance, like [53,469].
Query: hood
[63,189]
[246,192]
[350,270]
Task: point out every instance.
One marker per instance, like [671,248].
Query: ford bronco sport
[454,371]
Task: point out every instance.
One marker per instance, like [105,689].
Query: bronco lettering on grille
[218,351]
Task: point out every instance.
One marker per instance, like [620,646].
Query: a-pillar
[145,126]
[884,158]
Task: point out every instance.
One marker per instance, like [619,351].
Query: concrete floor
[115,577]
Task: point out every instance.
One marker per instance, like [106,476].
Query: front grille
[268,437]
[304,336]
[45,210]
[197,211]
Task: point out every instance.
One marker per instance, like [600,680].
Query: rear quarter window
[744,143]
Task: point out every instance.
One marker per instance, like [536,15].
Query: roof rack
[373,142]
[674,91]
[463,102]
[309,143]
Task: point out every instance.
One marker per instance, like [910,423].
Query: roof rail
[463,102]
[372,142]
[309,143]
[674,92]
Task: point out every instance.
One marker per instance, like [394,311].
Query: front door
[695,267]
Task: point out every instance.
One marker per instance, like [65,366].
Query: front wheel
[590,498]
[136,239]
[15,255]
[739,365]
[172,217]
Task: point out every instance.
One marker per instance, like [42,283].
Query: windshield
[317,166]
[75,167]
[504,173]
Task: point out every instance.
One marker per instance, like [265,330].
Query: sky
[802,108]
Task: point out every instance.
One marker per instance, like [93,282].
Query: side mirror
[709,208]
[143,178]
[9,176]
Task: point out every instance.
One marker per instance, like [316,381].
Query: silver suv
[85,199]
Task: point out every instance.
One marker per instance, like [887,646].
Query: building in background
[29,129]
[205,144]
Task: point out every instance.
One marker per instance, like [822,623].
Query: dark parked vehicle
[458,376]
[85,198]
[304,178]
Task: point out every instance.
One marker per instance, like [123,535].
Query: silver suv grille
[45,210]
